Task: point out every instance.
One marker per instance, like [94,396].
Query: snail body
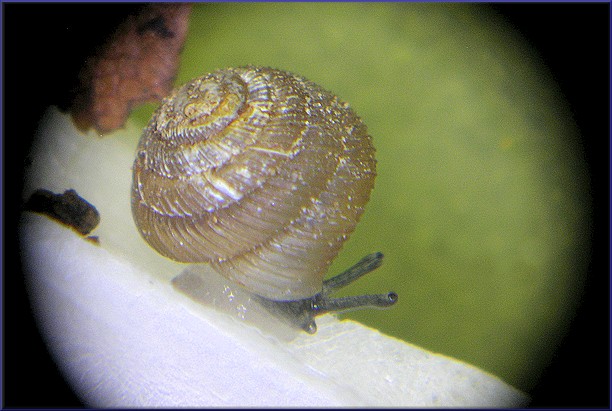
[256,171]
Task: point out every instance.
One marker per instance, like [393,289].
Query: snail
[263,175]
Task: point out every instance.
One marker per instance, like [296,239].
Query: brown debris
[137,65]
[94,239]
[68,208]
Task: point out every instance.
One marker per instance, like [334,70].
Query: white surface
[125,339]
[124,336]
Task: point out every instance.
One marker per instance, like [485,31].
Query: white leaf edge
[124,337]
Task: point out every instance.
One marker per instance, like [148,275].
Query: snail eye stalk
[302,312]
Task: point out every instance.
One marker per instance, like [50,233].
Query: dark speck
[157,25]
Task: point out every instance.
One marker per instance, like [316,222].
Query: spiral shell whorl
[256,171]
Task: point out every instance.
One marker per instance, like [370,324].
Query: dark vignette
[43,48]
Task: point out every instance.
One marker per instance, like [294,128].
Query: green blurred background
[481,204]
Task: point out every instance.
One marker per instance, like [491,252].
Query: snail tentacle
[368,263]
[302,312]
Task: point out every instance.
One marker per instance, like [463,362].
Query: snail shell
[256,171]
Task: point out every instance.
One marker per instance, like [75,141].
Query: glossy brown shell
[256,171]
